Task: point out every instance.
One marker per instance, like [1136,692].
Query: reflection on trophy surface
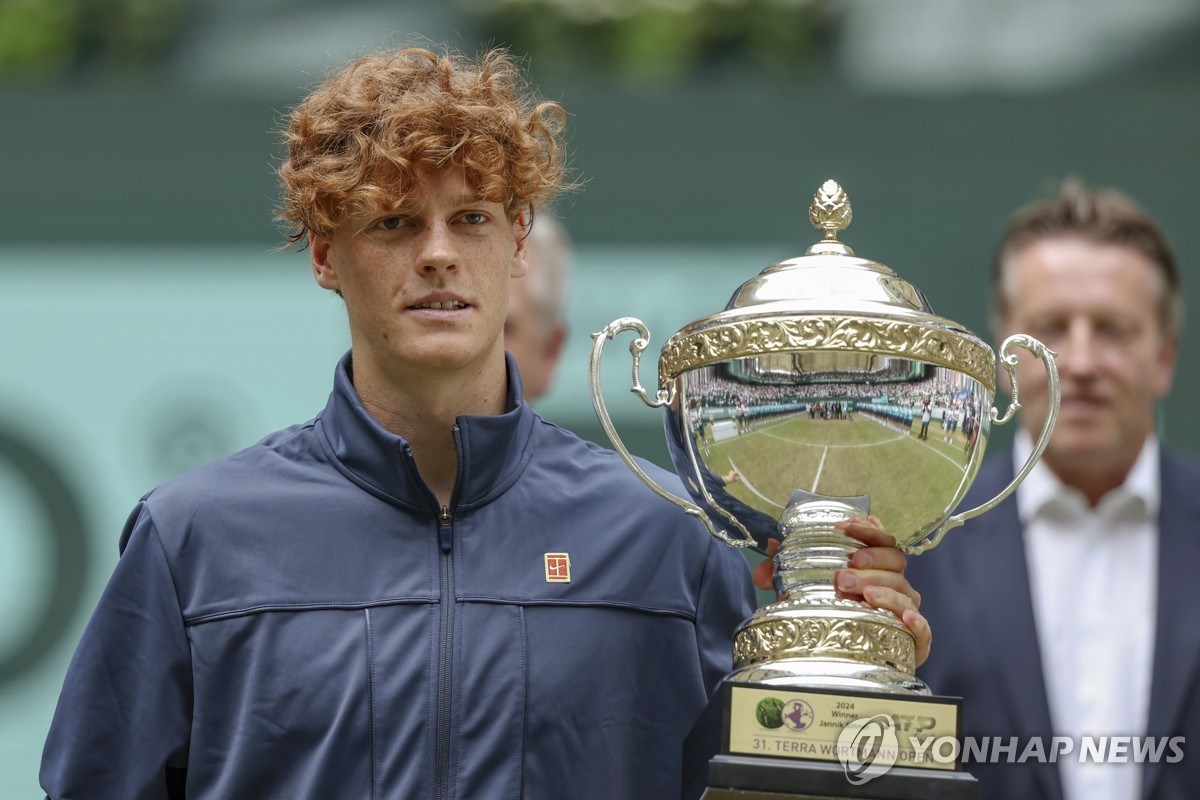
[827,388]
[811,438]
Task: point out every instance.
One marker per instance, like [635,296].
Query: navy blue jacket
[301,620]
[975,594]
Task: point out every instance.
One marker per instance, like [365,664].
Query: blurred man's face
[533,340]
[1098,306]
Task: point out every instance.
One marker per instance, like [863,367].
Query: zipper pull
[444,530]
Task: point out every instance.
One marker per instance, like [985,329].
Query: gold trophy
[826,388]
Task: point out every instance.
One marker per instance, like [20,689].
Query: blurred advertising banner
[119,368]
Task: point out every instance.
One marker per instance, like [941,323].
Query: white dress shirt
[1093,575]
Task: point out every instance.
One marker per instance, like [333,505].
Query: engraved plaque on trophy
[827,388]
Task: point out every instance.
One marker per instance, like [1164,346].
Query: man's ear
[323,270]
[521,233]
[1166,365]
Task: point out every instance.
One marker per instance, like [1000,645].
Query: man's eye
[390,223]
[1116,332]
[1047,330]
[474,218]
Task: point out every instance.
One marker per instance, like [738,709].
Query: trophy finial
[830,210]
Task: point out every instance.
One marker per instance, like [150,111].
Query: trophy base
[746,778]
[832,742]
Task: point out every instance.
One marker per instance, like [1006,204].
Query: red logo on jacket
[558,568]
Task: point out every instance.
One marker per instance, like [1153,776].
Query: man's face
[1098,306]
[425,285]
[533,340]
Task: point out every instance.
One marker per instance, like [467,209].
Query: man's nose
[437,251]
[1077,354]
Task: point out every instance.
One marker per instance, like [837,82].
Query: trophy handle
[663,397]
[1009,360]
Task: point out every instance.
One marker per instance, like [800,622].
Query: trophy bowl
[827,388]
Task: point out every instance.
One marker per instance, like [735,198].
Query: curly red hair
[357,141]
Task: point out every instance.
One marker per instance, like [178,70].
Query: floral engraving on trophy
[813,637]
[885,337]
[901,291]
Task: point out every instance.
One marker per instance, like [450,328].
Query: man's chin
[1079,453]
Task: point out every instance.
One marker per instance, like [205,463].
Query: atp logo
[867,748]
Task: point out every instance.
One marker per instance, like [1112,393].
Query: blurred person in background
[1070,609]
[426,590]
[536,326]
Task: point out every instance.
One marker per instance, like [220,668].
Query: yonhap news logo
[870,746]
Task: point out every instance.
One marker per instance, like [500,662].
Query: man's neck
[423,409]
[1094,484]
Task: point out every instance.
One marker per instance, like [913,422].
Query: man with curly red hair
[426,591]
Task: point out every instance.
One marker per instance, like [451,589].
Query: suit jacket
[975,594]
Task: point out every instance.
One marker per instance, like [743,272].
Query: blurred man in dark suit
[1069,609]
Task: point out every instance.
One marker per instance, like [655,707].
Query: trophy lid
[829,276]
[830,299]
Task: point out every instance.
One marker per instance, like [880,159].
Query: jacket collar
[493,449]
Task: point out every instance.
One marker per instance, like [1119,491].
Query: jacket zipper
[446,652]
[445,531]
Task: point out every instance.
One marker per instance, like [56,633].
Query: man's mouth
[1082,402]
[441,305]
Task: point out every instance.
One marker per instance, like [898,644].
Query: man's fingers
[901,605]
[763,575]
[854,583]
[868,530]
[882,558]
[921,630]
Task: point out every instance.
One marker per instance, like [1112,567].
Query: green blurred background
[148,320]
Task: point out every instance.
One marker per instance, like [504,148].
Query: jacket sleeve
[124,715]
[726,599]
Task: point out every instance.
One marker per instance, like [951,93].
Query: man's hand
[875,574]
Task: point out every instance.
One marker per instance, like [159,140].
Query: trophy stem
[811,549]
[814,638]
